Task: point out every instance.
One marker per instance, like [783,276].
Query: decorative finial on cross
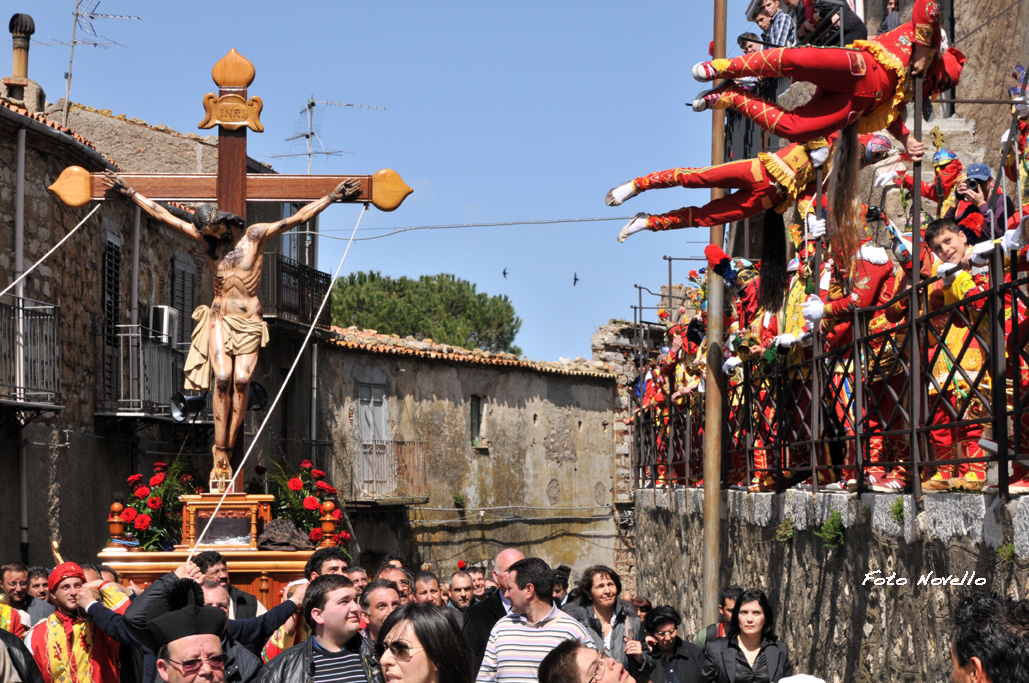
[937,136]
[230,108]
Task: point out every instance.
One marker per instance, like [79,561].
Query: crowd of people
[973,241]
[341,624]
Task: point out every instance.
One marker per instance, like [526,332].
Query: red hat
[461,564]
[65,571]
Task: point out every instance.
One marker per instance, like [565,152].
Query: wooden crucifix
[230,332]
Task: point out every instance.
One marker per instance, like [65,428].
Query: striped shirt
[338,667]
[516,647]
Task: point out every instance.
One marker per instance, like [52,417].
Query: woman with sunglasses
[422,643]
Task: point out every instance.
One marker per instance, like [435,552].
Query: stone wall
[837,625]
[64,480]
[543,479]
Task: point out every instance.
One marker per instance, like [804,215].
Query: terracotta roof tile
[373,342]
[56,126]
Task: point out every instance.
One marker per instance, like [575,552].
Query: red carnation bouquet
[299,495]
[153,512]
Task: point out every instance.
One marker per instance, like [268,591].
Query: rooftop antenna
[312,133]
[307,112]
[84,20]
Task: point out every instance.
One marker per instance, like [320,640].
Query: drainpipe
[314,399]
[135,381]
[19,337]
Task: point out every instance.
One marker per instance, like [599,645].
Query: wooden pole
[715,379]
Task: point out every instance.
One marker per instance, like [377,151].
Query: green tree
[441,307]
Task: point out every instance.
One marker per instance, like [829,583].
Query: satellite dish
[181,405]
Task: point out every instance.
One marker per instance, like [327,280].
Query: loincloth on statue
[242,336]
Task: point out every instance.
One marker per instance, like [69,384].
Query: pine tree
[441,307]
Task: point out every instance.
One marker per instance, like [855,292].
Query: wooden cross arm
[76,187]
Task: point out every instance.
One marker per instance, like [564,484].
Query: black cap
[182,613]
[188,621]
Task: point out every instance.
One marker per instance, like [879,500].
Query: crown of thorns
[208,215]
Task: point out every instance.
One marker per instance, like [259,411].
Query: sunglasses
[397,648]
[192,666]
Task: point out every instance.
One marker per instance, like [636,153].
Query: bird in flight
[575,279]
[505,273]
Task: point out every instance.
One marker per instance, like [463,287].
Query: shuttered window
[184,280]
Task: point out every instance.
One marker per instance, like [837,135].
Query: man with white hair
[481,617]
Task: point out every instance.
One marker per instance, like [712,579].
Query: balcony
[30,354]
[384,473]
[292,291]
[138,373]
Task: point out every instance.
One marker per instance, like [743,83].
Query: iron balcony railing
[382,471]
[139,372]
[840,411]
[743,138]
[293,291]
[30,352]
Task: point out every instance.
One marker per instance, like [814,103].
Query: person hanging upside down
[867,83]
[770,181]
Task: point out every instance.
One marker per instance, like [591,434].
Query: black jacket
[478,622]
[720,661]
[242,665]
[245,603]
[21,658]
[296,665]
[688,661]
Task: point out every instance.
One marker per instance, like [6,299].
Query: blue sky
[495,112]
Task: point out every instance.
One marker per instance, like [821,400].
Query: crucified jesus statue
[229,333]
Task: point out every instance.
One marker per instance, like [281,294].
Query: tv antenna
[312,130]
[84,20]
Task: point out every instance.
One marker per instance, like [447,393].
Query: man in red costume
[67,646]
[868,282]
[867,84]
[771,181]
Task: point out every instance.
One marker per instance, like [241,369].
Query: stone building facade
[449,454]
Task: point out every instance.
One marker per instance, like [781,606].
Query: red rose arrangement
[153,512]
[299,498]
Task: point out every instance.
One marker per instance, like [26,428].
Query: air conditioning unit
[164,325]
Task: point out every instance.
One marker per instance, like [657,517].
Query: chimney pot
[21,28]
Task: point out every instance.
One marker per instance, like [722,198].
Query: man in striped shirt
[335,652]
[519,641]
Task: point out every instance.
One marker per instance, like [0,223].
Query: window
[110,307]
[371,411]
[476,420]
[183,298]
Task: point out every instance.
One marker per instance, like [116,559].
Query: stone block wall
[838,624]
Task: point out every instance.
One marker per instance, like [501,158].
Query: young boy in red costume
[868,85]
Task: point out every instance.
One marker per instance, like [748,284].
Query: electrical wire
[285,382]
[52,250]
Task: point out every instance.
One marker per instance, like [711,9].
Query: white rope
[52,250]
[271,408]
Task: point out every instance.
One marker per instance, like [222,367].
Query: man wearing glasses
[190,645]
[573,662]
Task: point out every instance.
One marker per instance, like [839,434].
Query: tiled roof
[372,342]
[53,124]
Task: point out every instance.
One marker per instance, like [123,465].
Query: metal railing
[375,471]
[293,291]
[30,351]
[140,372]
[743,138]
[971,382]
